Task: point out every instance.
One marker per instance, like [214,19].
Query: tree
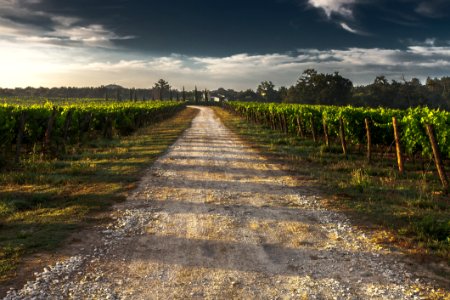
[307,86]
[196,95]
[161,86]
[266,90]
[337,89]
[283,93]
[248,95]
[317,88]
[118,96]
[381,92]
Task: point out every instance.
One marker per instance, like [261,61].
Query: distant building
[218,98]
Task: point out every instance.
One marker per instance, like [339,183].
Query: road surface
[214,219]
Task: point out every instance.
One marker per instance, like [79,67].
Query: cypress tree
[196,94]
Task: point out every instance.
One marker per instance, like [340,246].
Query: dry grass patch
[406,210]
[42,202]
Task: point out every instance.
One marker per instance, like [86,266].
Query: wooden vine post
[48,131]
[401,167]
[437,156]
[369,140]
[313,130]
[67,122]
[108,128]
[300,131]
[20,132]
[66,128]
[285,122]
[342,136]
[84,125]
[325,132]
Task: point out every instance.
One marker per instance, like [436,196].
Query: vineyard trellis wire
[50,127]
[355,124]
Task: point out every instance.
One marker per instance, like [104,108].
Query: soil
[215,219]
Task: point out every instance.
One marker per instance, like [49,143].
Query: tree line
[311,87]
[161,90]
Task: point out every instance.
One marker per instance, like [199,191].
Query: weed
[43,202]
[360,179]
[374,195]
[436,229]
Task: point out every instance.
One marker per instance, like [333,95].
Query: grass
[43,201]
[408,211]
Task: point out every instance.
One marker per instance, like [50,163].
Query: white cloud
[65,21]
[342,9]
[33,55]
[94,35]
[430,41]
[9,28]
[430,51]
[60,30]
[370,56]
[349,29]
[433,8]
[39,61]
[172,63]
[254,64]
[339,7]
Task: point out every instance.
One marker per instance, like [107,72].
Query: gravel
[207,229]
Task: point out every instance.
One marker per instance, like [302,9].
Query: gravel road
[214,219]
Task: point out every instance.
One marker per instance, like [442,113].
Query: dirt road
[214,219]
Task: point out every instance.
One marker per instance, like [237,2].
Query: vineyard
[48,128]
[358,126]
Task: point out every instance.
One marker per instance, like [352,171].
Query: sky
[220,43]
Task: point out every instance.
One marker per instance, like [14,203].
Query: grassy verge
[403,210]
[43,202]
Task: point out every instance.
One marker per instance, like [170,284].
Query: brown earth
[215,219]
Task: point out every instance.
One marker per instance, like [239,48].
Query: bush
[437,229]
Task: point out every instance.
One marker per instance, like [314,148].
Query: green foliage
[162,87]
[374,195]
[438,229]
[317,88]
[74,121]
[266,90]
[290,117]
[360,179]
[42,202]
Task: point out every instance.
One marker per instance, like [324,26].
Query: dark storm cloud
[222,28]
[434,8]
[236,43]
[29,20]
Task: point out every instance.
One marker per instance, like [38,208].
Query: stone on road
[214,219]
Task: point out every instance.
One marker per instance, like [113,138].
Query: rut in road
[214,219]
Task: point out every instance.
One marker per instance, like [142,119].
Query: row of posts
[434,146]
[400,160]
